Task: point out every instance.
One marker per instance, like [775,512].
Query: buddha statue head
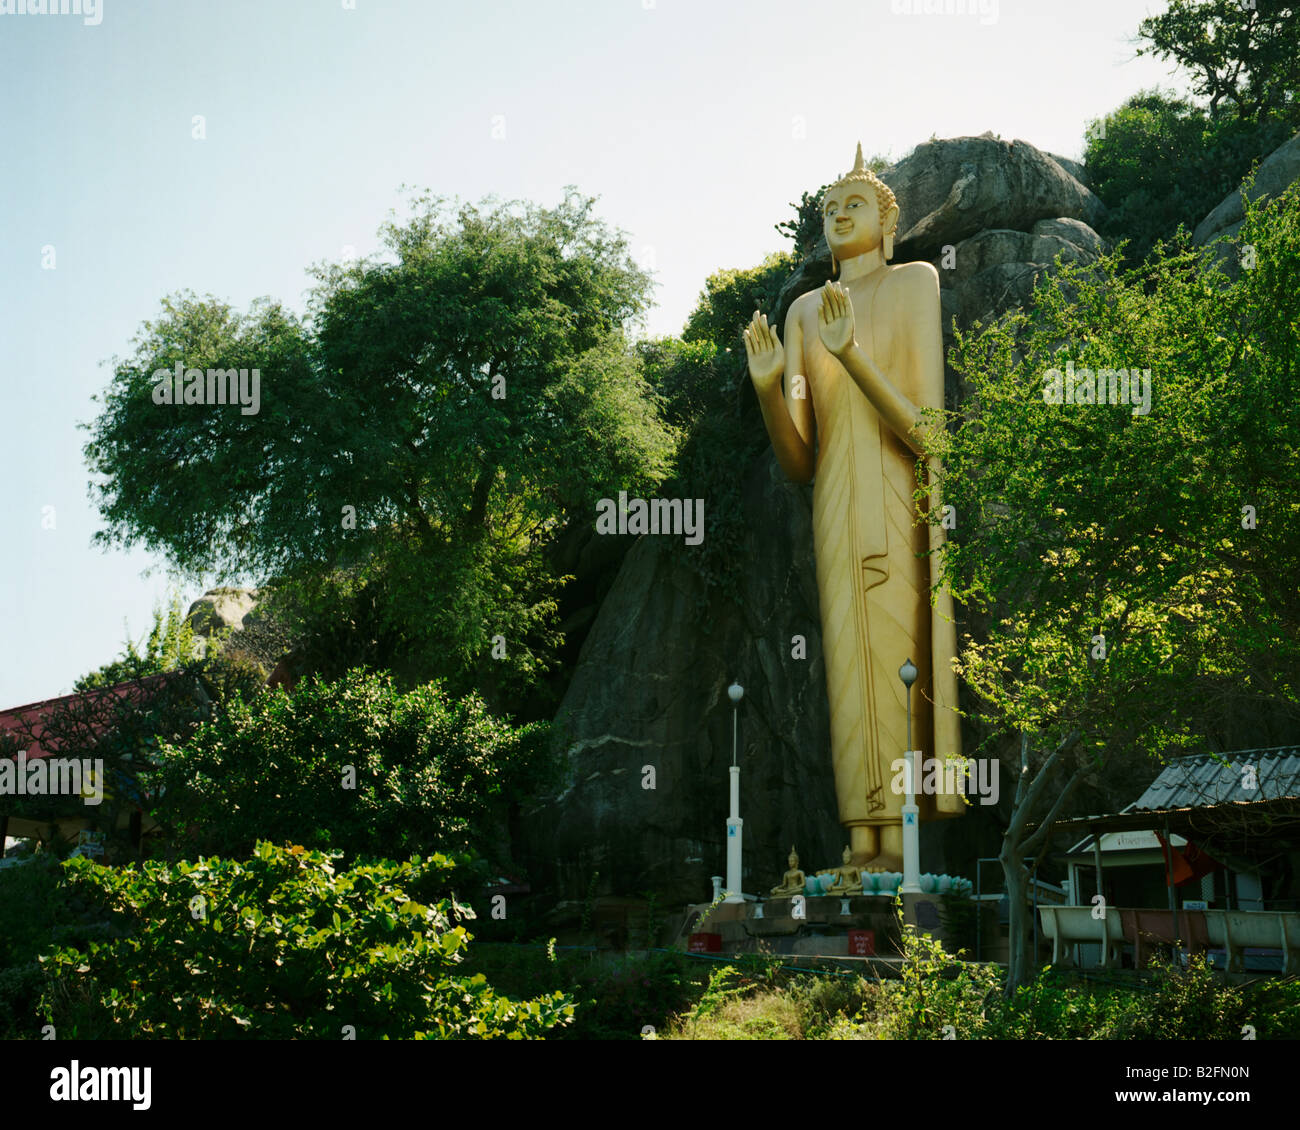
[848,854]
[859,214]
[793,861]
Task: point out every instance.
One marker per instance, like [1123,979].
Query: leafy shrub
[758,997]
[429,772]
[735,1006]
[1174,1004]
[829,1006]
[935,995]
[279,947]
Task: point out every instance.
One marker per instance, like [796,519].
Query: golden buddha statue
[792,881]
[848,878]
[863,356]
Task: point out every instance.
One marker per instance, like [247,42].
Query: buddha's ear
[890,226]
[835,267]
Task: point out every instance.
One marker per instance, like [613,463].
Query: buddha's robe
[874,582]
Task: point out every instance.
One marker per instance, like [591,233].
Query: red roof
[19,720]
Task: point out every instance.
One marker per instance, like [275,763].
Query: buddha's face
[851,220]
[793,861]
[848,854]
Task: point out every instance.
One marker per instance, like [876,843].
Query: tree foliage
[1134,574]
[1078,519]
[1160,161]
[1243,57]
[422,436]
[730,298]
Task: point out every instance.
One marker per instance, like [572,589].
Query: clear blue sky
[696,122]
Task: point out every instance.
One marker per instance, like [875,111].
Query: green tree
[1124,566]
[730,298]
[351,765]
[422,436]
[1160,161]
[1243,57]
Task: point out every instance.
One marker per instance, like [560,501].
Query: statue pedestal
[816,925]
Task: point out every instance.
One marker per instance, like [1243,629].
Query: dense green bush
[1173,1004]
[730,298]
[281,946]
[937,998]
[352,765]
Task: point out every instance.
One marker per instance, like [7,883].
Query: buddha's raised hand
[835,318]
[765,353]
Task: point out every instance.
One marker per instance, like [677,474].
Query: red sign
[704,943]
[862,943]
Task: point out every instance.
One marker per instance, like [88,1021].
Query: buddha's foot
[885,861]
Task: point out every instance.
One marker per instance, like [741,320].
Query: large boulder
[1075,168]
[220,609]
[234,615]
[950,190]
[997,269]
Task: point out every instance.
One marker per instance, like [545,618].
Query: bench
[1235,930]
[1068,926]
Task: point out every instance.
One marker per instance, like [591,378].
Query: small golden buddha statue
[848,878]
[792,881]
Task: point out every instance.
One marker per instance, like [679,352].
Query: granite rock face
[649,689]
[252,635]
[650,692]
[997,269]
[950,190]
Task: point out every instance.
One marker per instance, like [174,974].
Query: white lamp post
[911,814]
[735,825]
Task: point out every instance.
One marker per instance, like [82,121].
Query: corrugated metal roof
[1200,780]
